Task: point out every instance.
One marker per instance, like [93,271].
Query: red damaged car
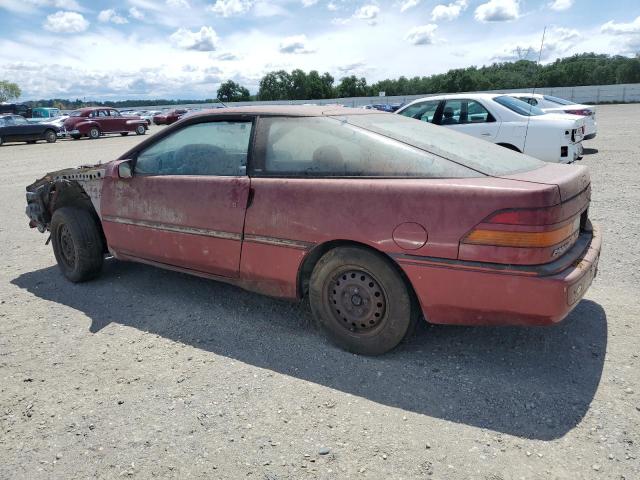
[167,118]
[93,122]
[374,216]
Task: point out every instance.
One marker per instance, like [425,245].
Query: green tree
[276,86]
[231,91]
[9,91]
[352,86]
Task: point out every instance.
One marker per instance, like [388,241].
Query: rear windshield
[76,113]
[479,155]
[518,106]
[559,101]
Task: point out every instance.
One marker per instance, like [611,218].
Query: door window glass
[212,148]
[17,120]
[103,113]
[463,111]
[424,111]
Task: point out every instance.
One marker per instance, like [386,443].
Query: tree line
[581,69]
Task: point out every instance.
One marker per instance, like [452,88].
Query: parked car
[15,128]
[550,104]
[16,109]
[43,114]
[95,121]
[167,118]
[374,216]
[506,121]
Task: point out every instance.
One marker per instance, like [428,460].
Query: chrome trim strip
[174,228]
[280,242]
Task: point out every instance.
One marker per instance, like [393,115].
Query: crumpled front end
[80,187]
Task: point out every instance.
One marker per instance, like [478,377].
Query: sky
[121,49]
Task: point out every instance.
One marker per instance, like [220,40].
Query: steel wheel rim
[67,246]
[357,301]
[94,133]
[50,137]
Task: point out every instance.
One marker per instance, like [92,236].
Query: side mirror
[125,170]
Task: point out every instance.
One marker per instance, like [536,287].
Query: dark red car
[169,117]
[93,122]
[376,217]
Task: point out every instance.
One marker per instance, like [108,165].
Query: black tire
[508,146]
[75,137]
[30,142]
[94,133]
[50,136]
[141,130]
[360,301]
[77,243]
[1,141]
[124,134]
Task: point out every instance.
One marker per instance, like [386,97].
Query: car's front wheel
[77,243]
[94,133]
[140,130]
[360,301]
[1,141]
[50,136]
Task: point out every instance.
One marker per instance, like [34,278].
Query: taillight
[523,228]
[582,113]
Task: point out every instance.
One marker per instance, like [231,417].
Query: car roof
[525,94]
[287,111]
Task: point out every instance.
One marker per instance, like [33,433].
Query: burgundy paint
[410,236]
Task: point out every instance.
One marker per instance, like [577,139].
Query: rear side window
[326,146]
[424,111]
[463,149]
[211,148]
[518,106]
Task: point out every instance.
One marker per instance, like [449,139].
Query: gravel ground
[147,373]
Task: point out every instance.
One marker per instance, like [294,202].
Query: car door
[104,120]
[118,123]
[471,117]
[185,203]
[24,131]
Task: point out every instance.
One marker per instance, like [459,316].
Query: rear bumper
[481,294]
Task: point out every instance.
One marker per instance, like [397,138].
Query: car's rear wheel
[360,301]
[94,133]
[50,136]
[140,130]
[77,243]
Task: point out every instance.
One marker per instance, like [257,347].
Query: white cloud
[422,35]
[340,21]
[621,28]
[498,11]
[367,12]
[136,13]
[558,41]
[203,40]
[230,8]
[178,4]
[407,4]
[450,11]
[560,5]
[227,57]
[295,44]
[309,3]
[110,15]
[66,22]
[332,7]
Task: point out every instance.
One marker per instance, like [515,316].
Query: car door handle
[485,134]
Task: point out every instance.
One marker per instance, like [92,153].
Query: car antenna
[533,91]
[220,101]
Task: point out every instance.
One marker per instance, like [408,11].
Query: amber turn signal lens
[502,238]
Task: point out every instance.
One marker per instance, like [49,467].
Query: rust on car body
[267,232]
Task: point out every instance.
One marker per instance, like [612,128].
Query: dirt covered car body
[343,205]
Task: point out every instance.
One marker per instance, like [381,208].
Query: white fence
[585,94]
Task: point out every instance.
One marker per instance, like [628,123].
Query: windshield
[518,106]
[559,101]
[480,155]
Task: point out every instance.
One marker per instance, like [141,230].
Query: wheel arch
[316,253]
[70,193]
[509,146]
